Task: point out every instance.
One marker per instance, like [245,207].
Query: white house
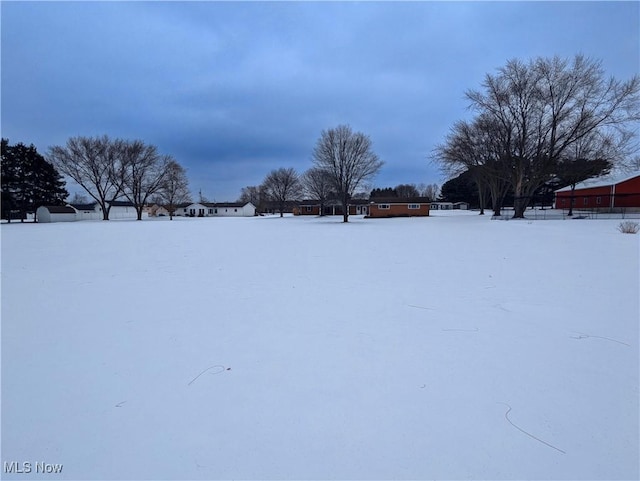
[232,209]
[56,213]
[217,209]
[441,205]
[157,210]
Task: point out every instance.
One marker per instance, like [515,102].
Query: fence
[562,214]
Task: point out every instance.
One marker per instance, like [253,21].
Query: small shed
[56,213]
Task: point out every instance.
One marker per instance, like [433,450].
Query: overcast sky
[233,90]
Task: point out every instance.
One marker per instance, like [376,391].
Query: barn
[608,193]
[56,213]
[399,207]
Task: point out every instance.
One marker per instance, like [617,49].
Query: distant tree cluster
[536,123]
[110,169]
[407,190]
[343,160]
[28,181]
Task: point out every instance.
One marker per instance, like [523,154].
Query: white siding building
[217,209]
[119,210]
[56,213]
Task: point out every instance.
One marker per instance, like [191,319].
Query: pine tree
[28,181]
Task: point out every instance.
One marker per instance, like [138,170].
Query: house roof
[400,200]
[91,206]
[120,203]
[604,181]
[60,209]
[225,204]
[330,202]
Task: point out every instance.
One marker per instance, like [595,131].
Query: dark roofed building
[56,213]
[399,207]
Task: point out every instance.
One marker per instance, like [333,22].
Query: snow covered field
[449,347]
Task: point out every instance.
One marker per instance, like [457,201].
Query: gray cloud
[233,90]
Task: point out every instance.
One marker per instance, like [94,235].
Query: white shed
[123,210]
[56,213]
[91,211]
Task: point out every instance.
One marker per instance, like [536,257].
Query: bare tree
[478,147]
[431,191]
[282,186]
[174,188]
[92,163]
[406,190]
[546,107]
[142,172]
[318,184]
[79,198]
[254,194]
[347,157]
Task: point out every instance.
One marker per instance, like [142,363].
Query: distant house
[216,209]
[56,213]
[331,207]
[232,209]
[461,205]
[157,210]
[602,193]
[442,205]
[398,207]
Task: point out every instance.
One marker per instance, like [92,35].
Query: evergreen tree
[28,181]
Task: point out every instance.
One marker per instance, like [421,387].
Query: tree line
[539,124]
[106,169]
[343,164]
[536,126]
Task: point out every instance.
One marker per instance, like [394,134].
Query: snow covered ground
[448,347]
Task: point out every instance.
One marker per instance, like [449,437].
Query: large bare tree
[282,186]
[174,188]
[348,159]
[545,107]
[93,163]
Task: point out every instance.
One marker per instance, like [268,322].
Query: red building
[331,207]
[399,207]
[605,193]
